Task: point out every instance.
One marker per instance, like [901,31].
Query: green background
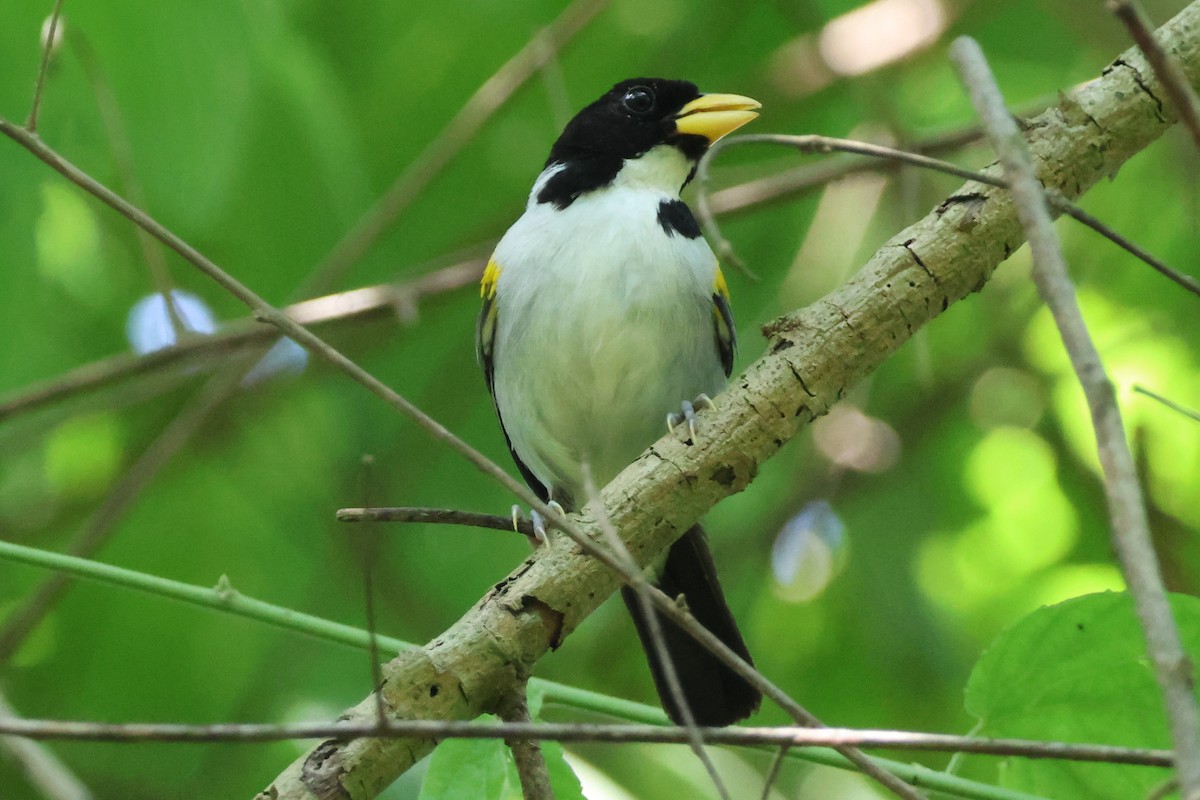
[261,131]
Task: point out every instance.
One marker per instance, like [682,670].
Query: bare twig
[438,516]
[798,180]
[1171,404]
[774,771]
[487,99]
[1165,67]
[39,87]
[43,769]
[1131,535]
[1133,248]
[789,183]
[1163,790]
[356,304]
[369,551]
[45,729]
[812,143]
[527,753]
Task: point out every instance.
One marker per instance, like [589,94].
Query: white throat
[663,169]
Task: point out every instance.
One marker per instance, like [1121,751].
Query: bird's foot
[687,414]
[539,537]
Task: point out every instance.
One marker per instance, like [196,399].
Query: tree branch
[526,751]
[436,516]
[1166,69]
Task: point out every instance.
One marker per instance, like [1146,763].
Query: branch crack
[1141,82]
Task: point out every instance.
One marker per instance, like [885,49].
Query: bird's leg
[539,537]
[687,413]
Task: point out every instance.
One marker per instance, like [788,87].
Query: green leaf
[562,778]
[471,769]
[1077,672]
[483,769]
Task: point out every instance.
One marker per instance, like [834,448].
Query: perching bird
[603,310]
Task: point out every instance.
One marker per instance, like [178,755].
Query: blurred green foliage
[1077,671]
[262,131]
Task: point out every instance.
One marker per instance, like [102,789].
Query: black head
[630,119]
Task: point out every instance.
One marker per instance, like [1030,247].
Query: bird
[602,308]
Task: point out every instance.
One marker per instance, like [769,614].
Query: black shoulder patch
[577,177]
[676,218]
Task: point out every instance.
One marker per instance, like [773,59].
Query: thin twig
[459,131]
[1128,245]
[1130,530]
[44,771]
[356,304]
[436,516]
[369,553]
[1164,790]
[812,143]
[527,752]
[789,183]
[1165,67]
[645,609]
[47,729]
[774,771]
[1171,404]
[39,86]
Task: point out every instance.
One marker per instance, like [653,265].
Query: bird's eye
[639,99]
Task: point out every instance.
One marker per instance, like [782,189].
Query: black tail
[714,693]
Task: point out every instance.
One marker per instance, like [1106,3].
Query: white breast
[604,325]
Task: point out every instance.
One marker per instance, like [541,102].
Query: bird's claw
[687,413]
[539,537]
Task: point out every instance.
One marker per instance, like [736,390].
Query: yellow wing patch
[723,327]
[719,285]
[491,276]
[485,326]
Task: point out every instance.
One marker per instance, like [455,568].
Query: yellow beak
[714,115]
